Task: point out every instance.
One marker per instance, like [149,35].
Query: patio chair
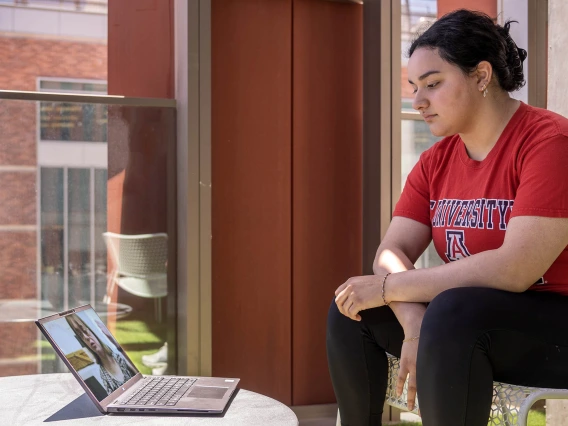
[140,266]
[510,407]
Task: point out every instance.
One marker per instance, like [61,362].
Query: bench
[510,407]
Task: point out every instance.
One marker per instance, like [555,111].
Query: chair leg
[508,419]
[110,287]
[158,309]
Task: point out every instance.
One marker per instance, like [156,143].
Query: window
[72,160]
[415,136]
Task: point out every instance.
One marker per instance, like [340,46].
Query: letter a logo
[455,245]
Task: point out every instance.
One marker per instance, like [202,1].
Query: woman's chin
[438,131]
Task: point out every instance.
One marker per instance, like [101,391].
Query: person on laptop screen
[114,368]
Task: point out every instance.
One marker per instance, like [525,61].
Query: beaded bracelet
[383,289]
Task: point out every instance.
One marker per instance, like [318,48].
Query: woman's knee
[336,321]
[456,310]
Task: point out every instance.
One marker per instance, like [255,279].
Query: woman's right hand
[408,357]
[412,315]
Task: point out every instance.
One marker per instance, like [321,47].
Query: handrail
[91,99]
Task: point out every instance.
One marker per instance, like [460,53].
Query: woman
[493,197]
[114,368]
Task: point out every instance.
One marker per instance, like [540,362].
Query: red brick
[18,257]
[18,198]
[21,337]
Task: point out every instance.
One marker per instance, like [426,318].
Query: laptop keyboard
[160,391]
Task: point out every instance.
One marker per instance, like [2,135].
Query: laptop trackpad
[210,392]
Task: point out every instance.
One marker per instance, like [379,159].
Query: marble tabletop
[57,399]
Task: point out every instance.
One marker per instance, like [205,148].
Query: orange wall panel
[327,178]
[251,193]
[486,6]
[141,48]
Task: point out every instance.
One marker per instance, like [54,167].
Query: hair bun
[515,57]
[522,54]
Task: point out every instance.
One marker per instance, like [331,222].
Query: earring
[485,91]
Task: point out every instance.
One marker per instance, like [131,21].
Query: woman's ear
[484,73]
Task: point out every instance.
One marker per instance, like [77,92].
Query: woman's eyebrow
[426,74]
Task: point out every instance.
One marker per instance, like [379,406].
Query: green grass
[137,339]
[536,418]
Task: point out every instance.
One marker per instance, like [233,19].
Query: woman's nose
[419,102]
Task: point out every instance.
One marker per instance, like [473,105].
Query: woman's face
[87,336]
[445,97]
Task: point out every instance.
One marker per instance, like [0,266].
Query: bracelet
[411,339]
[383,289]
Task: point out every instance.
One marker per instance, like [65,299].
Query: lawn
[138,339]
[536,418]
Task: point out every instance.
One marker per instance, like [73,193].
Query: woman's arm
[530,246]
[404,242]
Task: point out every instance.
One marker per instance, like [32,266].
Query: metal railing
[82,98]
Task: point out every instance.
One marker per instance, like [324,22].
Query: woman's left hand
[359,293]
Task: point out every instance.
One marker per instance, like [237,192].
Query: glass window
[70,172]
[54,213]
[415,135]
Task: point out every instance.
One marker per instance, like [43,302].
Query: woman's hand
[408,355]
[409,352]
[358,294]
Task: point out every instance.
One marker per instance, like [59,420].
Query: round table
[57,399]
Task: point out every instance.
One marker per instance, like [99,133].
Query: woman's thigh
[471,337]
[523,335]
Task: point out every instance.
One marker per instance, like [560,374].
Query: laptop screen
[92,351]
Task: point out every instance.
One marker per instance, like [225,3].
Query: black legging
[469,338]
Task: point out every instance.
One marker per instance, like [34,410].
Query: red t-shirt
[468,203]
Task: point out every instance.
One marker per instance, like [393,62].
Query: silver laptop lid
[91,352]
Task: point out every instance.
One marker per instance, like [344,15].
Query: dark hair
[465,38]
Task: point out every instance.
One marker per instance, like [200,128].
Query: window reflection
[73,122]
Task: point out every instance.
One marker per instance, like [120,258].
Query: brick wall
[23,60]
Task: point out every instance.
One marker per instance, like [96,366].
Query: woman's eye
[432,85]
[414,91]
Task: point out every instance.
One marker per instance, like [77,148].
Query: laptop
[113,382]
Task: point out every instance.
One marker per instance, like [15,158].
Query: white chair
[140,265]
[510,407]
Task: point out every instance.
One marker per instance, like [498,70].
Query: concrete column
[557,410]
[557,56]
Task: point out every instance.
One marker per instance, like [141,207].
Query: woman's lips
[429,117]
